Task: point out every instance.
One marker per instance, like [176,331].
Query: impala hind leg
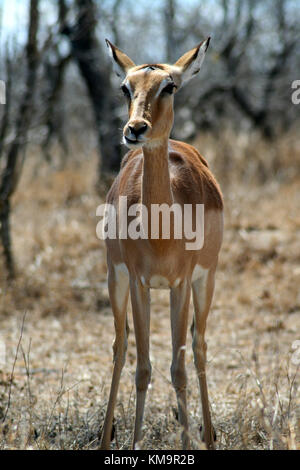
[140,299]
[118,286]
[179,300]
[202,296]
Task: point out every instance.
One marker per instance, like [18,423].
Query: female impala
[161,171]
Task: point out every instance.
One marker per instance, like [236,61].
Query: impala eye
[125,91]
[169,88]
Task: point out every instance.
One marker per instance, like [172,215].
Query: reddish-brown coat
[189,166]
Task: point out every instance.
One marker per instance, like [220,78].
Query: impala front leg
[180,299]
[118,286]
[202,295]
[140,299]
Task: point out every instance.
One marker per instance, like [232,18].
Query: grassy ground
[57,326]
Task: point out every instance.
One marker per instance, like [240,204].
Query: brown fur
[162,171]
[187,163]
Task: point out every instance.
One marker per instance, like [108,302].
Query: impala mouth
[130,140]
[132,143]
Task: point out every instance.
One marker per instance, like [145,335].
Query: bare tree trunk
[89,57]
[5,118]
[170,30]
[54,120]
[11,171]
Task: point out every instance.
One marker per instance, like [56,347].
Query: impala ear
[189,64]
[121,62]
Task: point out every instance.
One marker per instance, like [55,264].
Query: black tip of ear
[207,43]
[111,48]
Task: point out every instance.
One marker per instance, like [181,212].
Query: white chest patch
[159,282]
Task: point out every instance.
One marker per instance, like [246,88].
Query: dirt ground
[57,328]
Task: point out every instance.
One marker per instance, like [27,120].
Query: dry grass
[61,359]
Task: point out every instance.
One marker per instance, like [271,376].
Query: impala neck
[156,186]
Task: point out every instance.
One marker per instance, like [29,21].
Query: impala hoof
[105,440]
[113,431]
[201,429]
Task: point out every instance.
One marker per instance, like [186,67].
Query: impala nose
[138,128]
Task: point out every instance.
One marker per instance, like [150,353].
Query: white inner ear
[116,67]
[195,66]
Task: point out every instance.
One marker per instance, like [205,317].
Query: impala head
[149,90]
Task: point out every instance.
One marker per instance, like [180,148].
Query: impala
[158,170]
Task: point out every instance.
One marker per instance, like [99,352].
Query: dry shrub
[245,157]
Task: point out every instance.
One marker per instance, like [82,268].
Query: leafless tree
[7,108]
[54,75]
[11,172]
[249,76]
[91,61]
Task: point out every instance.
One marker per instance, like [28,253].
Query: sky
[13,18]
[14,15]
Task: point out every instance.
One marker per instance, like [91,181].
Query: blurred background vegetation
[60,89]
[60,133]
